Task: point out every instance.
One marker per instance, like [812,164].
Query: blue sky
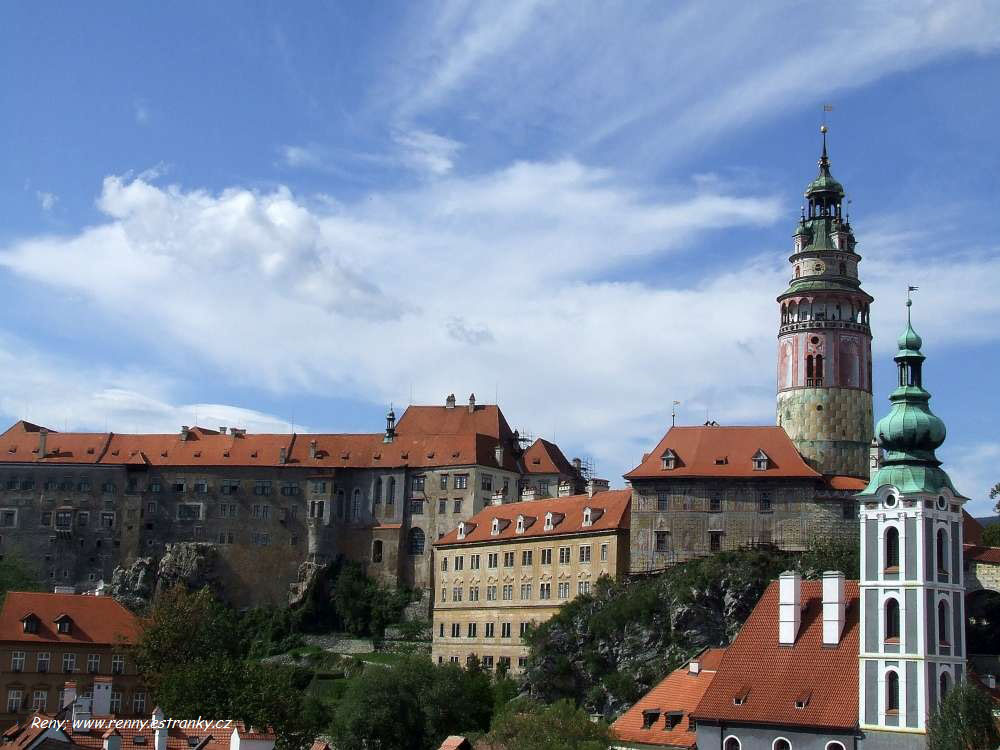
[270,214]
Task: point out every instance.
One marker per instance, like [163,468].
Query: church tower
[824,340]
[912,648]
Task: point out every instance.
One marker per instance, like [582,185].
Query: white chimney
[102,696]
[43,434]
[81,714]
[834,607]
[112,740]
[694,666]
[789,607]
[472,402]
[159,730]
[69,694]
[991,681]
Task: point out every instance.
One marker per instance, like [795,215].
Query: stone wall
[831,427]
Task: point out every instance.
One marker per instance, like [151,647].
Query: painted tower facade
[912,648]
[824,339]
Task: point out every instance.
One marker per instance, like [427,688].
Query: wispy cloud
[46,200]
[141,113]
[426,151]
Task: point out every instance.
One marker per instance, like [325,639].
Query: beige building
[510,566]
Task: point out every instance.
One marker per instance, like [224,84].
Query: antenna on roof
[673,413]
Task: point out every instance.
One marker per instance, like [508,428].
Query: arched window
[892,620]
[416,541]
[390,497]
[797,272]
[731,743]
[891,692]
[942,552]
[356,504]
[945,683]
[377,551]
[834,746]
[819,369]
[378,491]
[891,547]
[943,638]
[809,368]
[793,316]
[781,744]
[340,503]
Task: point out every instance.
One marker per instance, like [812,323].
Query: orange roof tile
[774,676]
[847,483]
[543,457]
[96,619]
[723,452]
[679,692]
[982,554]
[455,743]
[972,530]
[485,419]
[614,505]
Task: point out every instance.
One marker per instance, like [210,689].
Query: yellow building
[513,565]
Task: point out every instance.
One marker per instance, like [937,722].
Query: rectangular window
[508,592]
[473,593]
[491,593]
[764,502]
[473,562]
[15,698]
[116,701]
[524,629]
[444,481]
[261,539]
[564,555]
[491,560]
[229,486]
[443,505]
[544,590]
[416,507]
[715,541]
[16,661]
[178,486]
[461,481]
[418,484]
[486,482]
[459,562]
[107,520]
[93,663]
[39,700]
[505,630]
[69,663]
[201,486]
[662,541]
[662,501]
[444,594]
[849,511]
[457,507]
[583,587]
[290,489]
[585,553]
[82,518]
[543,488]
[64,519]
[471,631]
[444,564]
[151,508]
[441,630]
[526,557]
[156,486]
[188,512]
[564,590]
[715,503]
[490,632]
[456,594]
[604,553]
[42,663]
[139,703]
[262,487]
[46,518]
[456,630]
[508,559]
[547,556]
[526,590]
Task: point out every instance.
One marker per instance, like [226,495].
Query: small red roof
[847,483]
[96,619]
[455,743]
[613,504]
[774,676]
[543,457]
[680,692]
[982,554]
[714,451]
[972,530]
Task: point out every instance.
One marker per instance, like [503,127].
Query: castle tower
[824,340]
[912,647]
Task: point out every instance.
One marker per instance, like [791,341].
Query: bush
[963,721]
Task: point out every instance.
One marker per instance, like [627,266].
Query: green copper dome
[910,433]
[824,183]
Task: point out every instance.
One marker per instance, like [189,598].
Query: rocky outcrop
[192,564]
[133,585]
[310,575]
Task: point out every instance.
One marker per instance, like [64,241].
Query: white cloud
[427,152]
[973,468]
[141,113]
[46,200]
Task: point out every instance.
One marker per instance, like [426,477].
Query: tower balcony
[815,325]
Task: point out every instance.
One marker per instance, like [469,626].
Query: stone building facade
[510,567]
[77,505]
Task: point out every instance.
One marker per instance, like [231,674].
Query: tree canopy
[560,726]
[963,721]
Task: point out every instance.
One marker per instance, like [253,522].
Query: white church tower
[912,646]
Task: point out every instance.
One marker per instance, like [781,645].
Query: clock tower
[824,338]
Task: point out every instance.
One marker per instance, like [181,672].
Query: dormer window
[463,529]
[721,460]
[668,460]
[519,529]
[548,522]
[499,524]
[552,520]
[761,462]
[741,697]
[29,623]
[803,700]
[650,717]
[672,719]
[591,514]
[64,624]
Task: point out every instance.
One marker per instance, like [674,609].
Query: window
[377,551]
[943,684]
[260,538]
[662,541]
[662,501]
[64,519]
[526,590]
[459,562]
[760,461]
[444,594]
[585,553]
[583,587]
[139,703]
[456,594]
[764,502]
[848,510]
[201,486]
[456,630]
[107,520]
[781,744]
[82,518]
[473,593]
[731,744]
[117,664]
[834,746]
[473,562]
[416,541]
[46,518]
[262,487]
[461,481]
[564,590]
[39,700]
[116,702]
[457,507]
[443,505]
[356,504]
[505,630]
[715,503]
[668,461]
[416,507]
[491,593]
[649,717]
[942,552]
[16,661]
[290,489]
[227,510]
[42,663]
[486,482]
[526,557]
[547,556]
[523,631]
[93,663]
[491,560]
[943,623]
[188,512]
[488,661]
[892,621]
[441,630]
[544,591]
[226,537]
[417,483]
[69,663]
[508,592]
[15,698]
[892,548]
[390,495]
[564,555]
[471,630]
[508,559]
[444,564]
[891,692]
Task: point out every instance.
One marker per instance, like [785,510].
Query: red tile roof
[982,554]
[455,743]
[21,441]
[680,691]
[723,452]
[96,619]
[775,676]
[615,505]
[485,419]
[972,530]
[543,457]
[847,483]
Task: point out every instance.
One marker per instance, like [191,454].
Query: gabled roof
[615,503]
[681,692]
[774,676]
[20,444]
[714,451]
[543,457]
[96,619]
[981,554]
[484,419]
[972,530]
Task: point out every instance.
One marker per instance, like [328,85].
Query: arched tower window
[892,620]
[819,369]
[415,541]
[891,692]
[781,744]
[944,684]
[731,744]
[356,504]
[797,272]
[809,369]
[377,551]
[378,490]
[340,503]
[942,552]
[390,497]
[943,623]
[892,548]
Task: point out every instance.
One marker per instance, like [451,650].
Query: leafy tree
[362,605]
[561,726]
[17,574]
[991,535]
[841,553]
[963,721]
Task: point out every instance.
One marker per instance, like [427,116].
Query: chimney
[312,449]
[834,607]
[390,426]
[159,727]
[498,454]
[565,488]
[81,714]
[789,607]
[694,666]
[472,402]
[449,403]
[102,696]
[69,693]
[43,436]
[595,486]
[112,740]
[184,432]
[991,681]
[222,430]
[282,455]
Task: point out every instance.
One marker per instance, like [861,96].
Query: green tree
[17,574]
[963,721]
[560,726]
[991,535]
[841,553]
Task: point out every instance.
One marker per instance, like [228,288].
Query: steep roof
[96,619]
[774,677]
[981,554]
[972,530]
[715,451]
[680,691]
[614,505]
[21,441]
[543,457]
[485,419]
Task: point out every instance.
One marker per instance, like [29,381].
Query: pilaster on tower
[824,337]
